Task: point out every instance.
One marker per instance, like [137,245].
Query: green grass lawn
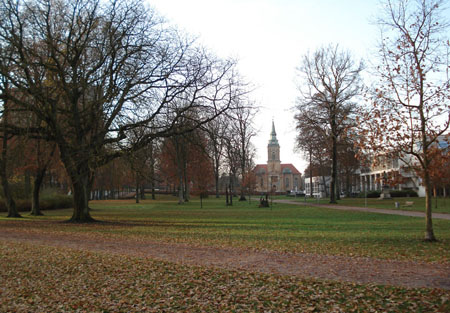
[280,228]
[439,205]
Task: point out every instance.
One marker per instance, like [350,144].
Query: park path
[362,209]
[361,270]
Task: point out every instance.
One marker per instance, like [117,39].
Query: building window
[287,183]
[273,155]
[262,182]
[296,182]
[395,163]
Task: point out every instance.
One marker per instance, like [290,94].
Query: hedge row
[394,194]
[54,202]
[403,193]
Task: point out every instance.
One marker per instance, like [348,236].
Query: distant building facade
[386,170]
[320,186]
[387,167]
[275,176]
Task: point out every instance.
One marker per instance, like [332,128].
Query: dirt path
[372,210]
[350,269]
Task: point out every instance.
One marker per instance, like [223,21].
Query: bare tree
[181,152]
[152,164]
[231,164]
[348,163]
[93,70]
[216,131]
[411,107]
[139,162]
[311,142]
[330,83]
[241,129]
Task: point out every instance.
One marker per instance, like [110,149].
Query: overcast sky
[269,37]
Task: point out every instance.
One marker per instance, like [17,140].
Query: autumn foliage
[185,164]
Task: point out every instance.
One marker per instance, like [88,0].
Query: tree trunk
[226,196]
[216,165]
[349,184]
[27,182]
[180,190]
[435,194]
[338,186]
[80,186]
[152,171]
[231,183]
[243,170]
[81,179]
[9,200]
[242,197]
[429,233]
[142,194]
[90,183]
[186,182]
[39,178]
[35,208]
[333,171]
[231,196]
[310,175]
[216,178]
[324,183]
[137,189]
[152,183]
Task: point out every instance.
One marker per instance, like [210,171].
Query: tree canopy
[91,71]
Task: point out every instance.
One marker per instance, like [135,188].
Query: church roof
[289,166]
[262,168]
[273,141]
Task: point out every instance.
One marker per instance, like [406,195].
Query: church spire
[273,135]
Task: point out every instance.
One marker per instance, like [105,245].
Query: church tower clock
[273,161]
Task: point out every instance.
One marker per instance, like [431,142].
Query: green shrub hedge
[53,202]
[403,193]
[373,194]
[18,190]
[394,194]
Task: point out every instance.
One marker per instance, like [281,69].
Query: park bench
[408,204]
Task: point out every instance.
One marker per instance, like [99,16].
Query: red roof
[258,166]
[290,166]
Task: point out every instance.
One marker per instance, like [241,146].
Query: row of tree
[190,162]
[198,158]
[100,80]
[407,111]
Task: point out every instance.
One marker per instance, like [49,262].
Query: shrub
[373,194]
[18,190]
[403,193]
[394,194]
[21,205]
[53,202]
